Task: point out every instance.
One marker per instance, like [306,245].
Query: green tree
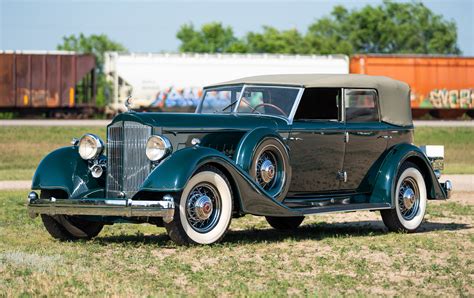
[92,44]
[96,45]
[386,28]
[212,38]
[275,41]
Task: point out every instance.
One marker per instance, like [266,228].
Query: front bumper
[102,207]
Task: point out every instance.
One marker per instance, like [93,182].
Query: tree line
[386,28]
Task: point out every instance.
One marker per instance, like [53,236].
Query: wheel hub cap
[267,171]
[408,198]
[203,207]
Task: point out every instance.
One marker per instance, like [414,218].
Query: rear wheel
[410,199]
[204,210]
[284,223]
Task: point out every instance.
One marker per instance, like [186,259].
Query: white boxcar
[175,81]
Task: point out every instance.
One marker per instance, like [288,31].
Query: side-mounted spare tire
[271,168]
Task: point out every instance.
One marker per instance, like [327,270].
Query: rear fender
[173,173]
[387,174]
[64,169]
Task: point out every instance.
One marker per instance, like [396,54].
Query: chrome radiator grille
[127,164]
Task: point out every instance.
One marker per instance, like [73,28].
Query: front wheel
[410,200]
[70,228]
[204,210]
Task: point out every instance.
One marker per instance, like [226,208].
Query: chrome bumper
[102,207]
[448,188]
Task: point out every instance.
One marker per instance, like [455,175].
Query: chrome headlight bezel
[158,147]
[96,149]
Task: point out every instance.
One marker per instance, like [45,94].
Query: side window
[361,105]
[319,104]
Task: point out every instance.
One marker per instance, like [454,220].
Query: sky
[151,26]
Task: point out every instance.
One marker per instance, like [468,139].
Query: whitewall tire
[410,199]
[204,209]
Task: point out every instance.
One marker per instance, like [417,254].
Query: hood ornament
[129,103]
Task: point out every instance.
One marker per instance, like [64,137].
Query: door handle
[384,137]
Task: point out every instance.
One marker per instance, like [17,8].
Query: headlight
[90,146]
[157,148]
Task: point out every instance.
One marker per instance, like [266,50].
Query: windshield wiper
[227,106]
[242,99]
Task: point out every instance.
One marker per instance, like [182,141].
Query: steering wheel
[271,106]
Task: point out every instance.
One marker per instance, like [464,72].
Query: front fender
[173,173]
[64,169]
[386,179]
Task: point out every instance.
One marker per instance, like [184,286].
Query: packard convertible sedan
[279,146]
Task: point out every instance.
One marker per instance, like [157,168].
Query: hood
[192,121]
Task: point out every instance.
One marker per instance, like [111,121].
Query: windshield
[249,99]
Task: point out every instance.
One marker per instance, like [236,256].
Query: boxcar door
[317,142]
[366,140]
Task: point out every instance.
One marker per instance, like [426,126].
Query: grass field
[22,148]
[335,254]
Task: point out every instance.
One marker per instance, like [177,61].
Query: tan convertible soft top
[394,96]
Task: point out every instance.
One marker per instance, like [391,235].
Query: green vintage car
[279,146]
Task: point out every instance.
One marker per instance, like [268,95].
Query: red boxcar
[440,85]
[31,81]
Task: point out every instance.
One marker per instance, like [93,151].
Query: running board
[335,203]
[344,208]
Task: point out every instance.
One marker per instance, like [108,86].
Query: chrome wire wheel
[265,171]
[269,170]
[203,207]
[409,198]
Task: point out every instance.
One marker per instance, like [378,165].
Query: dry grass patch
[334,254]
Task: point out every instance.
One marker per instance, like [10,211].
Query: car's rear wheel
[284,223]
[410,199]
[271,168]
[69,228]
[204,209]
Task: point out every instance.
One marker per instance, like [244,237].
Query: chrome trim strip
[102,207]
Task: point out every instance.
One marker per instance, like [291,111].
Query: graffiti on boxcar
[177,97]
[38,97]
[455,98]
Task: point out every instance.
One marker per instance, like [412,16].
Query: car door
[316,142]
[366,139]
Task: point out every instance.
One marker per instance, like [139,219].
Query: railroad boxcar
[56,83]
[442,86]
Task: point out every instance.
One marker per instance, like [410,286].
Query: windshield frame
[236,104]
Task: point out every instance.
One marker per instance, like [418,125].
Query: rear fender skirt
[173,173]
[248,144]
[64,169]
[386,178]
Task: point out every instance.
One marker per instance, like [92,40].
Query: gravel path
[461,183]
[42,122]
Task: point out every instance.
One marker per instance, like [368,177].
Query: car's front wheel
[204,209]
[69,228]
[410,199]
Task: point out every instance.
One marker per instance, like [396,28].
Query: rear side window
[361,105]
[319,104]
